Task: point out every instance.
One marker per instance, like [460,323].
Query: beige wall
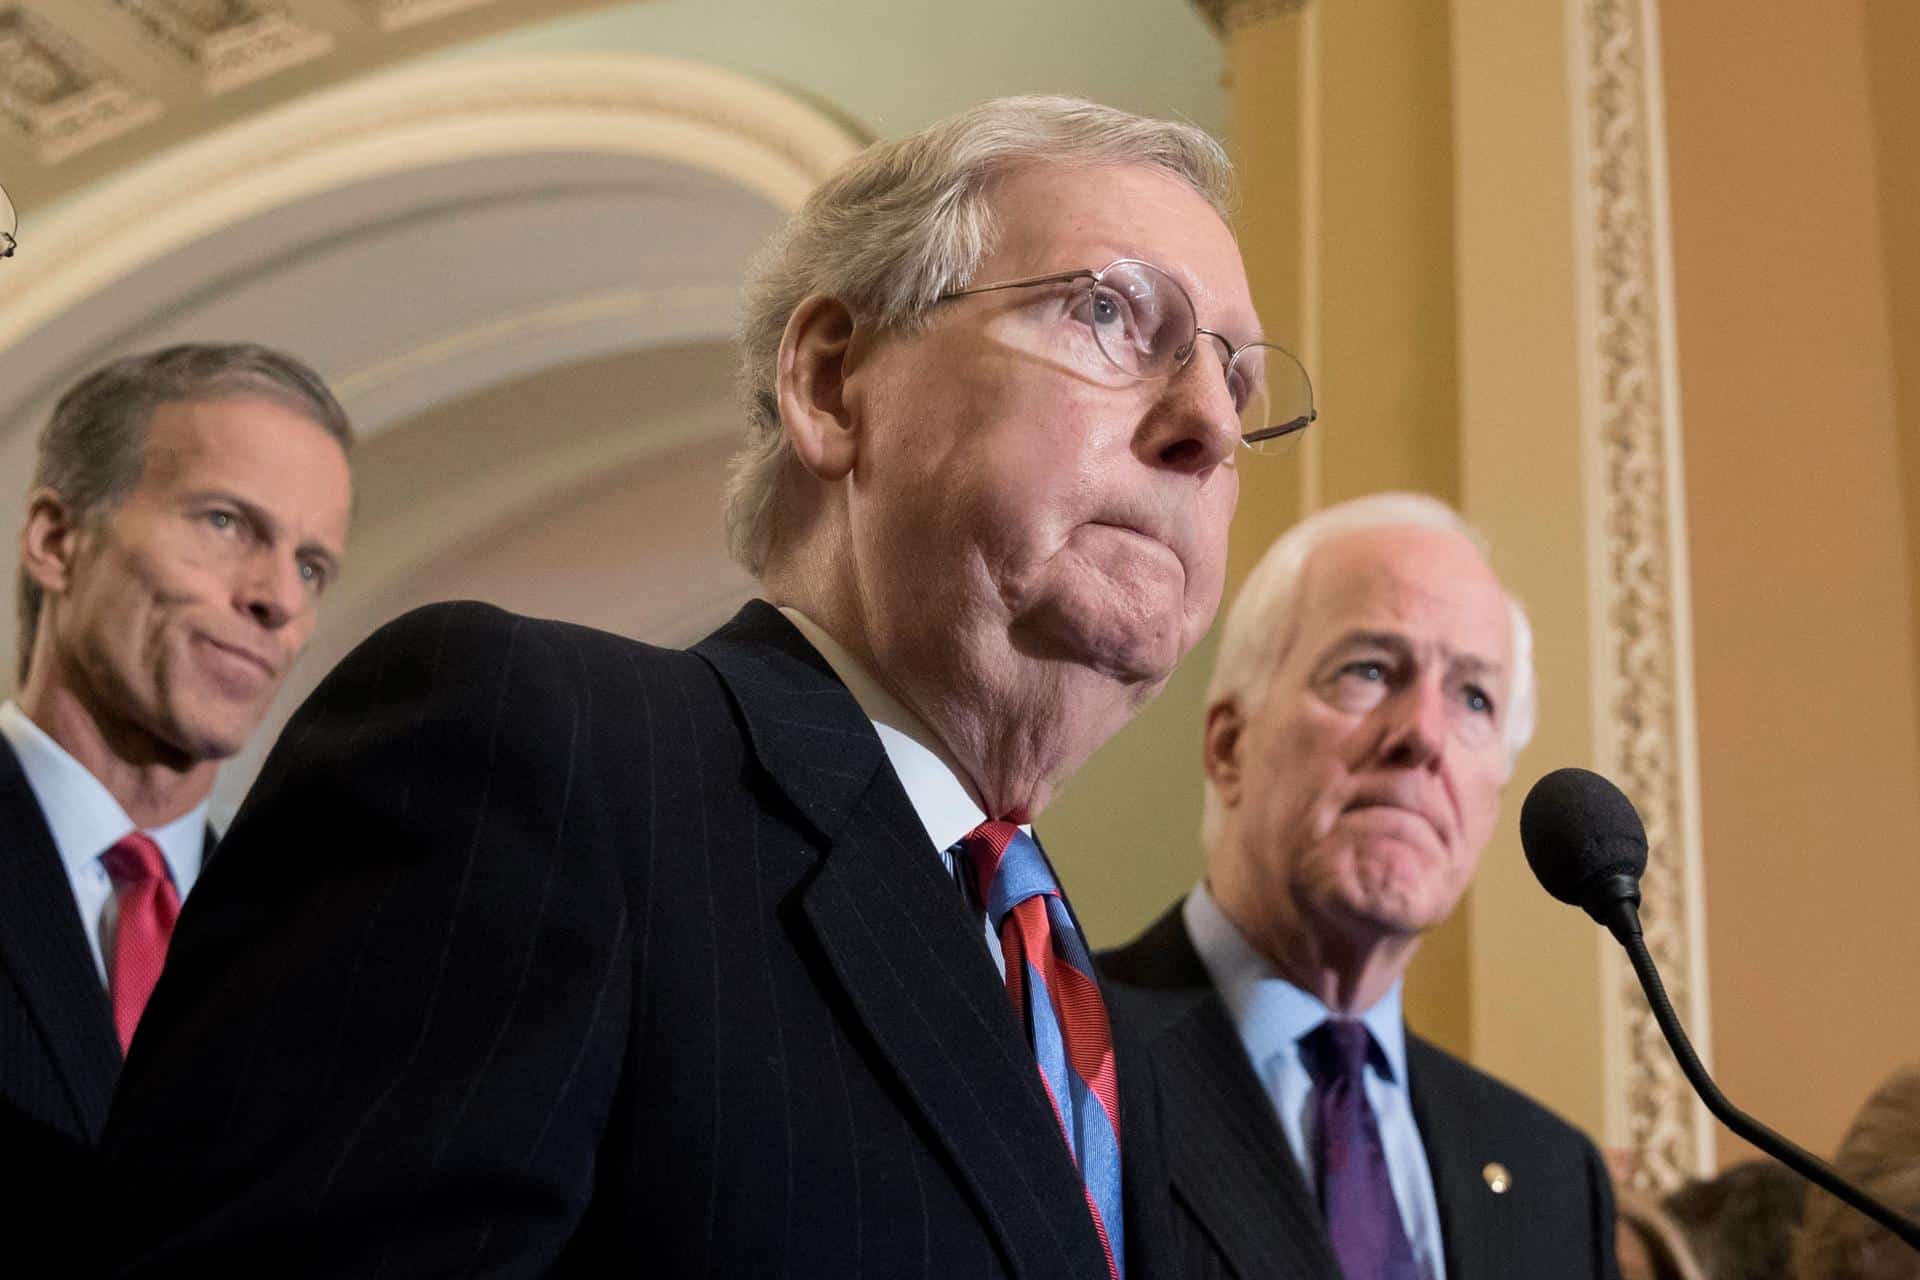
[1793,242]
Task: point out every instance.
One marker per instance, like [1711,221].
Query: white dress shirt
[926,772]
[86,821]
[1273,1016]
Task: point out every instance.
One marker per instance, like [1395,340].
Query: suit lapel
[906,956]
[44,946]
[1476,1225]
[1227,1158]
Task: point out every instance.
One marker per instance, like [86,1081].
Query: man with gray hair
[1373,687]
[578,955]
[188,508]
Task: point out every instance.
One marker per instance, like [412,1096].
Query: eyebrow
[1392,641]
[263,520]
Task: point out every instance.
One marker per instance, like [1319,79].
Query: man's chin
[1398,912]
[204,739]
[1126,649]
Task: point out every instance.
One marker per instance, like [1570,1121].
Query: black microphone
[1587,847]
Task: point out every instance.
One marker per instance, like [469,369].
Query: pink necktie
[148,908]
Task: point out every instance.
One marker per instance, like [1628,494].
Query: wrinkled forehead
[251,448]
[1427,586]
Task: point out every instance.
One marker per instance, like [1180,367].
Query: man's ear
[1220,750]
[810,385]
[49,541]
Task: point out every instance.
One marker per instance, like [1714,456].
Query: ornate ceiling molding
[1643,684]
[57,98]
[1229,16]
[228,43]
[89,86]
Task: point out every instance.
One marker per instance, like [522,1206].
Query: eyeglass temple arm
[1300,423]
[1058,278]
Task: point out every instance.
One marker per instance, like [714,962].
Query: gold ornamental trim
[1643,671]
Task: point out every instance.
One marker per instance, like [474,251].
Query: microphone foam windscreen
[1579,829]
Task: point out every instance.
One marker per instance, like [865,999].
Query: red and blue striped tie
[1050,977]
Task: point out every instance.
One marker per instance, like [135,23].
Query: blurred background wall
[1635,284]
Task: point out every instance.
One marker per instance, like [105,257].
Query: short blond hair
[904,223]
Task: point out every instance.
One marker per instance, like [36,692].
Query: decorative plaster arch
[710,120]
[718,154]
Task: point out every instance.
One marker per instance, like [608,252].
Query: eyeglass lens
[1144,322]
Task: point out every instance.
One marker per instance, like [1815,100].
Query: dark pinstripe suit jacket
[58,1049]
[540,951]
[1241,1206]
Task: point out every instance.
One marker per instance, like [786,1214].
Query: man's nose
[1417,726]
[1194,425]
[271,590]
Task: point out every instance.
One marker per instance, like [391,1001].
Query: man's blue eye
[1367,670]
[1478,701]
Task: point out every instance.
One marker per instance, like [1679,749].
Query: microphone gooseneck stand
[1622,919]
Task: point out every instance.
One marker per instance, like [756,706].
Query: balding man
[1373,686]
[188,508]
[576,955]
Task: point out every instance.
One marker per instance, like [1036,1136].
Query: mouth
[240,660]
[1389,805]
[1142,532]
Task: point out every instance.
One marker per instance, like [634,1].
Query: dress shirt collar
[926,772]
[83,815]
[1271,1013]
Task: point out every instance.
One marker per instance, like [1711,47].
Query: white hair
[1261,624]
[906,222]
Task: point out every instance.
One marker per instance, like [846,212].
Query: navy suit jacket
[539,951]
[59,1052]
[1240,1205]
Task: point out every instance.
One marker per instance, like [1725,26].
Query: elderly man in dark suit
[541,951]
[188,507]
[1373,686]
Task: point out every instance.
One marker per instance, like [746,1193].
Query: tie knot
[1007,867]
[133,858]
[1337,1050]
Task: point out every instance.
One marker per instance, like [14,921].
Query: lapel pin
[1498,1179]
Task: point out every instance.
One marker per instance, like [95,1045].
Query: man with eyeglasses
[579,955]
[1373,686]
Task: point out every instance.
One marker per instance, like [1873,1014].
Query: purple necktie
[1363,1220]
